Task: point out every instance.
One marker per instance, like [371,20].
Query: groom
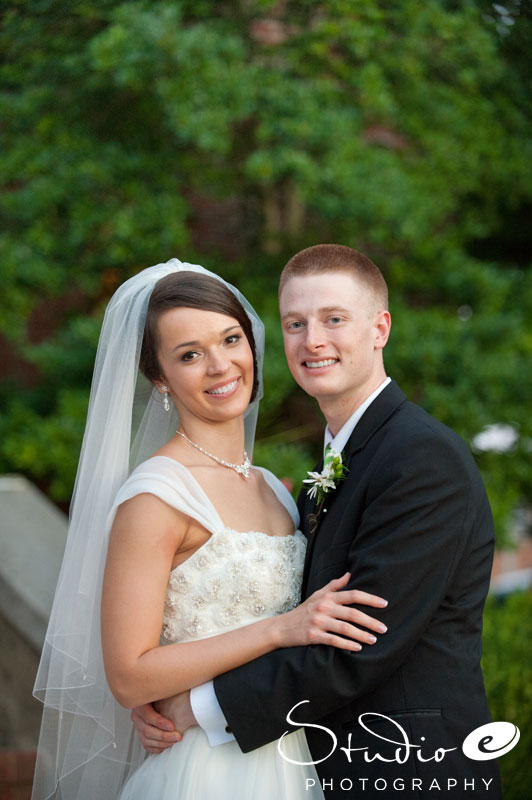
[410,522]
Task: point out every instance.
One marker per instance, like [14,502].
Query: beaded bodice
[233,579]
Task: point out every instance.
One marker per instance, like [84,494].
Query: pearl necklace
[242,469]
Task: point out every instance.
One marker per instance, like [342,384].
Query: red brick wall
[16,774]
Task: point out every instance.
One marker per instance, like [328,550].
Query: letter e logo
[491,741]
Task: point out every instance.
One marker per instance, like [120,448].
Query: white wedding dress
[234,579]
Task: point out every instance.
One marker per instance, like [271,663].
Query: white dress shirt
[205,705]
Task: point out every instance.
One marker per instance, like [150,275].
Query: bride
[192,553]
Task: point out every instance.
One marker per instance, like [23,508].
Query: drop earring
[166,401]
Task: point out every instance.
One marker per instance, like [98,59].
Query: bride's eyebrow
[195,343]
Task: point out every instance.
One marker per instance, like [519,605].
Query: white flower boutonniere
[321,483]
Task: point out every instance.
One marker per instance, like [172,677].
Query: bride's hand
[326,618]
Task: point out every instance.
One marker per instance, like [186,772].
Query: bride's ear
[161,385]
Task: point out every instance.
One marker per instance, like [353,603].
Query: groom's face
[333,335]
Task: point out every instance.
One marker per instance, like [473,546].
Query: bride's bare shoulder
[145,513]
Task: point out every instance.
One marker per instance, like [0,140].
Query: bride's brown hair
[190,290]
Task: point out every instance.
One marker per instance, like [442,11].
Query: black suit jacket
[412,523]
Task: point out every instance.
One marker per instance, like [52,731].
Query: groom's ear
[382,325]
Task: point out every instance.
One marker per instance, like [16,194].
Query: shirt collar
[339,441]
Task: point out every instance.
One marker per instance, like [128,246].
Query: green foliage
[47,448]
[467,361]
[233,134]
[70,353]
[507,667]
[290,462]
[277,379]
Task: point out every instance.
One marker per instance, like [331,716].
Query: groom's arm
[414,532]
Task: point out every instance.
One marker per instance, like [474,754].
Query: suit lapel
[306,508]
[382,408]
[379,412]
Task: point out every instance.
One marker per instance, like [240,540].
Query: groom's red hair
[323,258]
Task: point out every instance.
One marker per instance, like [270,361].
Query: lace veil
[87,745]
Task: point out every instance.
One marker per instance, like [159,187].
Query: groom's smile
[321,364]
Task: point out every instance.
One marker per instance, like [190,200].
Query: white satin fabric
[235,578]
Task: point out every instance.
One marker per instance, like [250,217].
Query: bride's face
[206,362]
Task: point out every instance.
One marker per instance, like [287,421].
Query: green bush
[136,131]
[507,665]
[289,462]
[46,449]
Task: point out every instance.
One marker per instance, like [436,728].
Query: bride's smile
[224,389]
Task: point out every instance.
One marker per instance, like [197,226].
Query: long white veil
[87,747]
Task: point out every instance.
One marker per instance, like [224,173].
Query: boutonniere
[321,483]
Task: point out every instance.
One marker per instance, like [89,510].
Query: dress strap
[175,485]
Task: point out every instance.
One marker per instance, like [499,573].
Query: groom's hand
[156,733]
[178,710]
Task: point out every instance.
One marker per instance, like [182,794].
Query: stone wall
[32,539]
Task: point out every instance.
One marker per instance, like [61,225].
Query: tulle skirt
[193,770]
